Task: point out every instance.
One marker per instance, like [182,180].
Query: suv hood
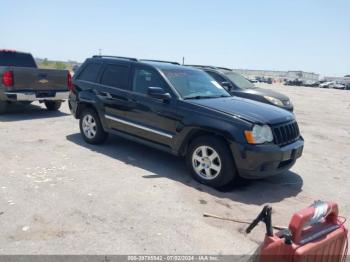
[267,92]
[250,110]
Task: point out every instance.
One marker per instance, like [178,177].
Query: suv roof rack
[212,67]
[203,66]
[225,68]
[160,61]
[118,57]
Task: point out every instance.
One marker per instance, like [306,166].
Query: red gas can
[315,233]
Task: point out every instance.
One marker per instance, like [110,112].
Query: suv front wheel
[91,128]
[210,161]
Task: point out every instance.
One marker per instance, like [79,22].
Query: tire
[217,169]
[53,105]
[91,128]
[26,103]
[3,107]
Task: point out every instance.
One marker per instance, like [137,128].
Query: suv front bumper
[259,161]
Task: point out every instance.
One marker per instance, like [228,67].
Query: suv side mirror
[158,93]
[227,85]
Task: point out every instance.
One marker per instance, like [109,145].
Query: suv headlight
[259,134]
[287,103]
[274,100]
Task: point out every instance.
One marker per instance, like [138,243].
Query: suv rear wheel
[210,161]
[91,128]
[53,105]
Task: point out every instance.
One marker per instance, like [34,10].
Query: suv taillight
[7,78]
[69,82]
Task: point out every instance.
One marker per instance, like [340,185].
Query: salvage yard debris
[241,221]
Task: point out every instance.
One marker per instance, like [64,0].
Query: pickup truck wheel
[53,105]
[3,106]
[91,128]
[210,161]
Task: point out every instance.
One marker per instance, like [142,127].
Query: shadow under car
[21,112]
[269,190]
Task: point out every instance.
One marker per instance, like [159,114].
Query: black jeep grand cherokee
[184,111]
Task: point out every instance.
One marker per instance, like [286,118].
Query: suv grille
[286,133]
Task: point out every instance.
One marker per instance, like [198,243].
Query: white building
[341,80]
[279,75]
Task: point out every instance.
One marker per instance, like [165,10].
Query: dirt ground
[59,195]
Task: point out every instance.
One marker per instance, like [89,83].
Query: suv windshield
[239,80]
[194,84]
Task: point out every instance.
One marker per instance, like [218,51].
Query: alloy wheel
[206,162]
[89,126]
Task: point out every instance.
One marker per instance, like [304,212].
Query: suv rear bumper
[259,161]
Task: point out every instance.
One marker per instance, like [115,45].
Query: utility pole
[183,60]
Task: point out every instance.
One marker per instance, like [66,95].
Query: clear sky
[310,35]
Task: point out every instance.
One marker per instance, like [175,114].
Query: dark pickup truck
[23,82]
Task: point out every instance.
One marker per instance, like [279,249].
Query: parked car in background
[184,111]
[295,82]
[239,86]
[262,79]
[326,84]
[252,80]
[268,81]
[336,85]
[23,82]
[332,84]
[311,83]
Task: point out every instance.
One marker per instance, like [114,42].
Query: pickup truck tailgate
[33,79]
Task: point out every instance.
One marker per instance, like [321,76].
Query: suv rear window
[90,72]
[17,59]
[116,76]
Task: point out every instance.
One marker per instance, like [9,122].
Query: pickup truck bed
[30,84]
[22,81]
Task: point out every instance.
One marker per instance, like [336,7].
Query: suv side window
[90,72]
[145,78]
[116,76]
[216,76]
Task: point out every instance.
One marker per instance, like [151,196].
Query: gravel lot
[59,195]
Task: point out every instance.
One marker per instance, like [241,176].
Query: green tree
[60,65]
[45,62]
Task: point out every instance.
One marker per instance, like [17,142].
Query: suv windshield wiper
[203,97]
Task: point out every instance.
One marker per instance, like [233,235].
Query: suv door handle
[108,96]
[105,94]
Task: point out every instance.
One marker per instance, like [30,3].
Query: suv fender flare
[87,99]
[189,133]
